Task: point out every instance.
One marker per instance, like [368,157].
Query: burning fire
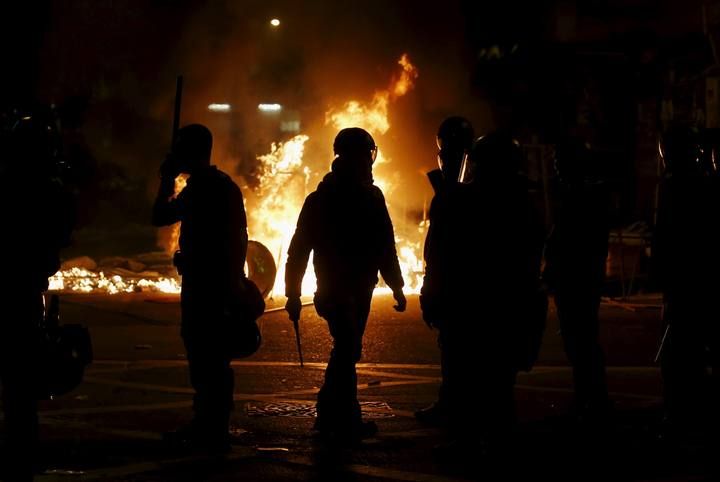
[81,280]
[284,183]
[85,281]
[373,117]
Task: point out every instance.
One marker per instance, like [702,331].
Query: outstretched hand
[293,307]
[401,301]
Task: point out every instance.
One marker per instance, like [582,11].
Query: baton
[178,105]
[296,325]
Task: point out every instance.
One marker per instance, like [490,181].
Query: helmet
[681,151]
[495,155]
[66,350]
[240,317]
[244,337]
[454,139]
[710,159]
[31,140]
[354,141]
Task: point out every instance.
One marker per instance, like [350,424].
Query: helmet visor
[467,170]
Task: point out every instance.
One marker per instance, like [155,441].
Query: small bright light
[269,107]
[275,22]
[219,107]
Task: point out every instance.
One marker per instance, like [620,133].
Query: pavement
[109,428]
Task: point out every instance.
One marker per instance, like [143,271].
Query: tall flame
[284,181]
[283,185]
[275,203]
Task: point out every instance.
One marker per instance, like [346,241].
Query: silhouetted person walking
[482,283]
[37,218]
[454,139]
[575,256]
[213,245]
[346,225]
[686,250]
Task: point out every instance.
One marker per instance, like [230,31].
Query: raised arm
[166,210]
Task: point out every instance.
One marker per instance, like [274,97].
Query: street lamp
[275,22]
[214,107]
[269,107]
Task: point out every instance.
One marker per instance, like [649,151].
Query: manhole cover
[370,410]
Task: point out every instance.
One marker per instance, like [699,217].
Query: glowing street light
[275,22]
[219,107]
[269,107]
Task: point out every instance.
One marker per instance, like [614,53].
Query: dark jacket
[213,233]
[686,238]
[484,244]
[38,218]
[440,273]
[345,223]
[577,247]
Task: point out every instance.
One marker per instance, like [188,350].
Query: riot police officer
[575,256]
[489,301]
[213,245]
[688,260]
[37,217]
[345,223]
[454,138]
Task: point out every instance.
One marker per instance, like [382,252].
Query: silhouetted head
[454,139]
[355,142]
[680,150]
[574,161]
[356,151]
[495,157]
[31,142]
[193,147]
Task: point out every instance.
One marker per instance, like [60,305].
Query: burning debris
[84,281]
[150,272]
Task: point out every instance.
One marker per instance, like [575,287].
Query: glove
[293,307]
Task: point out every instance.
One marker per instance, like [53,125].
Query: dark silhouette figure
[575,256]
[482,287]
[213,245]
[454,139]
[346,225]
[688,260]
[37,218]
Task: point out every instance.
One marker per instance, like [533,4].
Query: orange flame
[284,182]
[276,202]
[283,185]
[407,77]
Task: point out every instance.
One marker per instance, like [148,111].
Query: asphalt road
[109,428]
